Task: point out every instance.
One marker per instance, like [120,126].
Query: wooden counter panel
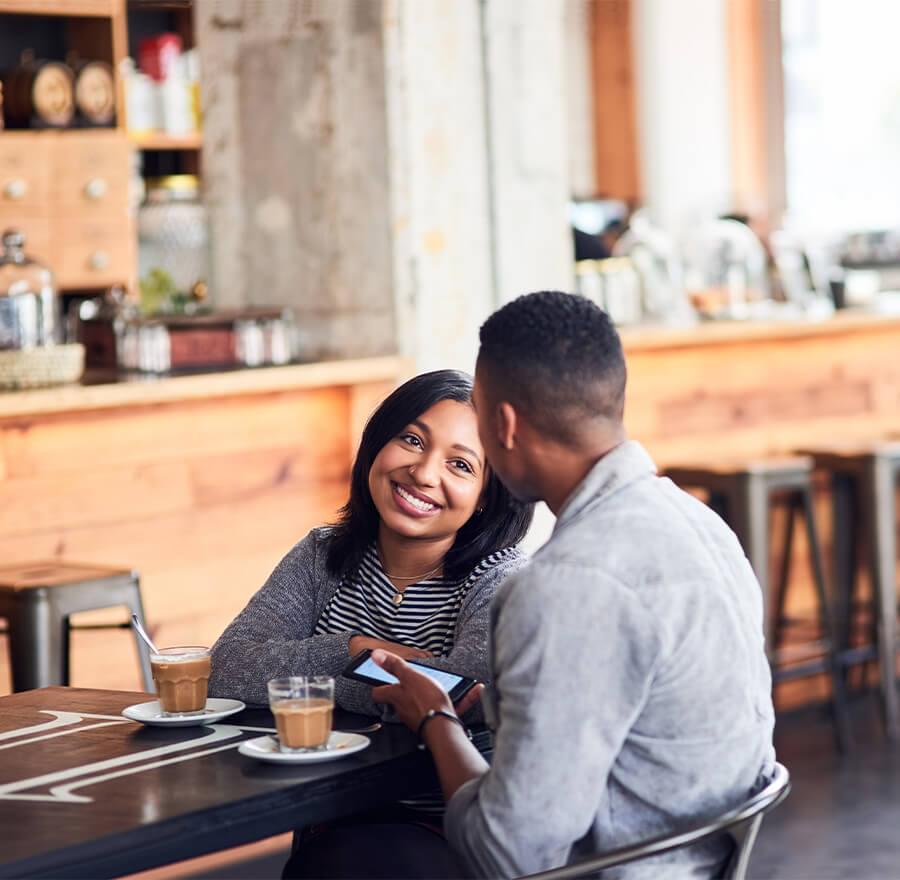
[50,445]
[717,333]
[764,397]
[202,496]
[359,374]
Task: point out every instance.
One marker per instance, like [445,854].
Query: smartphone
[363,668]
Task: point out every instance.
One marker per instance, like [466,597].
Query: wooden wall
[615,101]
[203,497]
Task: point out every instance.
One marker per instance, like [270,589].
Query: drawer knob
[95,189]
[99,260]
[16,189]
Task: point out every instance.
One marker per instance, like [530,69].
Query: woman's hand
[414,695]
[361,643]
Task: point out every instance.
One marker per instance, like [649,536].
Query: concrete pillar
[529,173]
[392,169]
[295,166]
[579,99]
[439,170]
[477,97]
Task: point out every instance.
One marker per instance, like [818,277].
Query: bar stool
[863,484]
[37,598]
[743,494]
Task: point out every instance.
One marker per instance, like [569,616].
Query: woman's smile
[426,481]
[412,502]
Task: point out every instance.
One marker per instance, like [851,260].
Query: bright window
[842,113]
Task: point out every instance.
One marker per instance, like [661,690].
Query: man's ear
[507,420]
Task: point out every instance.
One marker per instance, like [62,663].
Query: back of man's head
[557,358]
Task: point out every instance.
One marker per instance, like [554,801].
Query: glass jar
[173,238]
[29,310]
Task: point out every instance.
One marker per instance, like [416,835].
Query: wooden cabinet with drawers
[69,193]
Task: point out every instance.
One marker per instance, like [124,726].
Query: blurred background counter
[202,483]
[758,388]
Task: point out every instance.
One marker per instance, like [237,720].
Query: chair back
[741,824]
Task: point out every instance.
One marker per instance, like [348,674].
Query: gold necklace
[397,598]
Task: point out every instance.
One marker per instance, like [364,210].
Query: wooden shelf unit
[69,190]
[73,8]
[159,140]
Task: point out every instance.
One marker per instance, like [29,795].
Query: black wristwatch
[435,713]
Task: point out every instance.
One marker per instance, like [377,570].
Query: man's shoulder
[650,525]
[551,576]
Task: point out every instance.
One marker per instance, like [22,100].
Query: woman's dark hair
[503,521]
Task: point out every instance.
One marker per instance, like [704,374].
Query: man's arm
[574,656]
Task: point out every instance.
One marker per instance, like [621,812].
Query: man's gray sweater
[631,688]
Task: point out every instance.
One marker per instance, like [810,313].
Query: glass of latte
[181,676]
[302,706]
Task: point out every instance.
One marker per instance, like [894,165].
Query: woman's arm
[469,654]
[273,635]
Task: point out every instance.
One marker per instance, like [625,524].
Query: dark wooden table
[87,793]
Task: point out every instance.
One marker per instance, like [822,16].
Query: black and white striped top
[425,619]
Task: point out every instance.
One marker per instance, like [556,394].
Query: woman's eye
[412,439]
[462,465]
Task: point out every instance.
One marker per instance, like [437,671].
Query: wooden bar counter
[202,483]
[724,390]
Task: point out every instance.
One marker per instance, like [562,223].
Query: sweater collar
[623,465]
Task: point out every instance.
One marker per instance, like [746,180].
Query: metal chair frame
[741,824]
[38,624]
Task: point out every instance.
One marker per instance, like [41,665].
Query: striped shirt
[424,619]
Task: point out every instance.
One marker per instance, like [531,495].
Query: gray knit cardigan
[273,635]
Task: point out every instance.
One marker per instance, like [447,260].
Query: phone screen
[447,680]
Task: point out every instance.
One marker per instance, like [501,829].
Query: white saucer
[151,713]
[265,748]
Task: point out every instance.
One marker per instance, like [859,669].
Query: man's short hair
[556,357]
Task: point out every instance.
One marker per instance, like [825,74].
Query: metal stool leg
[36,639]
[844,531]
[750,521]
[718,502]
[879,491]
[835,671]
[784,574]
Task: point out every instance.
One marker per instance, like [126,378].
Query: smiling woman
[418,550]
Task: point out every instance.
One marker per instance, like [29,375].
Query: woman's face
[427,481]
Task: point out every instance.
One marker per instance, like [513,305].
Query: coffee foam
[178,658]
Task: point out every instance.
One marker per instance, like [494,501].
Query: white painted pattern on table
[63,783]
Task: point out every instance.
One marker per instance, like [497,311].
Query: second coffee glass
[302,706]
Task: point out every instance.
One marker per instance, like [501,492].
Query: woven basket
[40,367]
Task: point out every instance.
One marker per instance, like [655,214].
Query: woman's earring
[479,511]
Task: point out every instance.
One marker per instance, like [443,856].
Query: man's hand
[456,759]
[360,643]
[414,695]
